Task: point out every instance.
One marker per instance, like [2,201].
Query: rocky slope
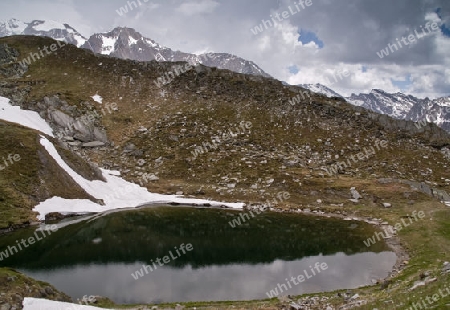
[175,132]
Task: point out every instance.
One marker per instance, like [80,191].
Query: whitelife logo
[243,216]
[243,129]
[300,278]
[38,235]
[36,56]
[411,38]
[398,226]
[284,15]
[11,157]
[166,259]
[334,169]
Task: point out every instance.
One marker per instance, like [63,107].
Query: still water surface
[241,263]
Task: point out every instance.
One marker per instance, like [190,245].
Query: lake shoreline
[393,242]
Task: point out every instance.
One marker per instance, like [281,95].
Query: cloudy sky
[337,43]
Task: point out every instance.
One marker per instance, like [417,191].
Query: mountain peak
[125,43]
[320,89]
[377,90]
[404,106]
[45,28]
[126,31]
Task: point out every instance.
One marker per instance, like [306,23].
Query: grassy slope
[34,178]
[231,98]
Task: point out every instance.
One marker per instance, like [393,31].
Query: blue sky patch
[306,36]
[402,84]
[445,31]
[293,69]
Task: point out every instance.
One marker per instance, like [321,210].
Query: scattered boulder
[75,143]
[150,177]
[446,267]
[295,306]
[5,307]
[82,137]
[53,216]
[93,144]
[68,138]
[355,194]
[137,153]
[130,147]
[422,283]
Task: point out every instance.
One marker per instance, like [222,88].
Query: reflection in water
[228,282]
[97,257]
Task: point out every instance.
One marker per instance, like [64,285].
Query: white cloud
[197,7]
[153,6]
[289,33]
[432,17]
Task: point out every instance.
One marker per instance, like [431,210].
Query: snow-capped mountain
[434,111]
[49,28]
[321,89]
[396,105]
[406,107]
[126,43]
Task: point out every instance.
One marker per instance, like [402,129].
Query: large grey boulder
[93,144]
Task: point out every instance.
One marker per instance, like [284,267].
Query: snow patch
[30,303]
[25,118]
[80,40]
[116,193]
[132,41]
[49,25]
[108,45]
[152,44]
[97,98]
[13,27]
[321,89]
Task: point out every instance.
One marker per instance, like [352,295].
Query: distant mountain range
[406,107]
[52,29]
[398,105]
[126,43]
